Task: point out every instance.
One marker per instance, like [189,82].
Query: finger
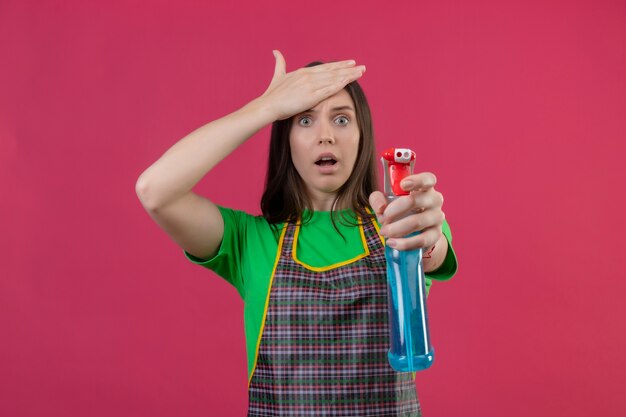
[350,72]
[419,182]
[339,83]
[424,200]
[413,223]
[399,208]
[332,65]
[425,239]
[338,78]
[378,202]
[280,68]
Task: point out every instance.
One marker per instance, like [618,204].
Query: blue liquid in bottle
[410,349]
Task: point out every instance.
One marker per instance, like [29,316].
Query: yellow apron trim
[333,266]
[267,300]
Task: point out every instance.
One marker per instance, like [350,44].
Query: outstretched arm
[419,211]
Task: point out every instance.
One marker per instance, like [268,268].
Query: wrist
[263,108]
[428,252]
[433,256]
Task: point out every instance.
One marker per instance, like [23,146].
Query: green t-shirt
[248,253]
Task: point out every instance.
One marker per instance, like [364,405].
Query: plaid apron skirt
[323,349]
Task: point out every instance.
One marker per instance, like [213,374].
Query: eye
[345,118]
[304,118]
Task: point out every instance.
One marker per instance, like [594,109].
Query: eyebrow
[333,109]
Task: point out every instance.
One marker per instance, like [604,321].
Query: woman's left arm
[421,210]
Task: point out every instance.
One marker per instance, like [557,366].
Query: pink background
[518,108]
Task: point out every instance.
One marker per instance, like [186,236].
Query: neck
[323,205]
[324,202]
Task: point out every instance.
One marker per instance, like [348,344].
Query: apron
[323,349]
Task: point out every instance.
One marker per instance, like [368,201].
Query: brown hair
[285,198]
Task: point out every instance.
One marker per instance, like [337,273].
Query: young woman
[311,270]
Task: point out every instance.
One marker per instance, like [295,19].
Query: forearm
[433,260]
[182,166]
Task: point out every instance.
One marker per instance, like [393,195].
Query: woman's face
[324,143]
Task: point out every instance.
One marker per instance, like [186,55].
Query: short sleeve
[227,261]
[449,266]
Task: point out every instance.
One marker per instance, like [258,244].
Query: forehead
[341,98]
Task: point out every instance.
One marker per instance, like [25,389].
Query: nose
[326,135]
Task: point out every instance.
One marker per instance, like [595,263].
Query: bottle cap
[398,164]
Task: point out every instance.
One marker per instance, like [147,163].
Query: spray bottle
[410,348]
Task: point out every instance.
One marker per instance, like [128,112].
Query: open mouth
[325,161]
